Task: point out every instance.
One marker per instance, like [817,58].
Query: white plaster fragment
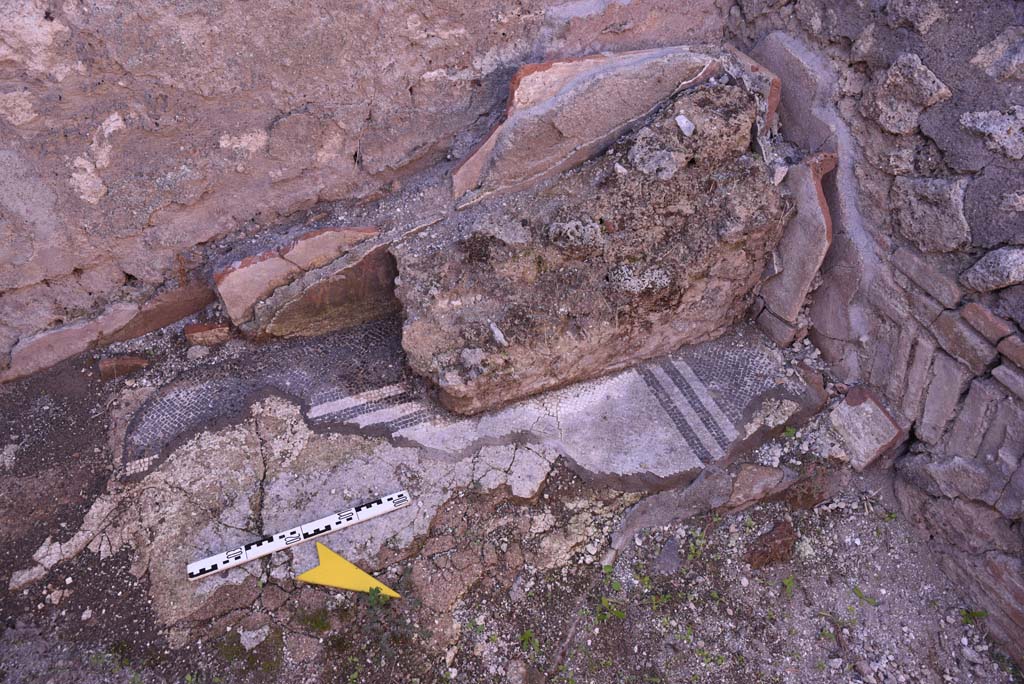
[685,125]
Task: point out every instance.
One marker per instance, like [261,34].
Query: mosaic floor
[668,416]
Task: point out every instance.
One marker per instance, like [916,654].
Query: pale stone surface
[865,428]
[200,501]
[998,269]
[930,213]
[901,93]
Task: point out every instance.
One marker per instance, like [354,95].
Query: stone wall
[921,295]
[134,137]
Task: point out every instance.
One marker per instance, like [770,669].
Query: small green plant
[318,620]
[376,599]
[529,642]
[609,609]
[827,635]
[749,524]
[871,601]
[660,600]
[696,546]
[889,517]
[789,433]
[971,617]
[788,584]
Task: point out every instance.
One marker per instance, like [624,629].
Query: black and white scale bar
[282,540]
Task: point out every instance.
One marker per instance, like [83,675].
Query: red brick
[927,277]
[163,309]
[320,247]
[119,366]
[961,340]
[250,280]
[207,334]
[987,323]
[1013,349]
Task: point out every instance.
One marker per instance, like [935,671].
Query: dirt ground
[501,568]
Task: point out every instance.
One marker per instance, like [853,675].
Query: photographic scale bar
[283,540]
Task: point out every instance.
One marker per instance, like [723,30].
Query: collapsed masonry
[542,269]
[626,205]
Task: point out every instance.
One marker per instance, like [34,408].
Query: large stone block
[996,270]
[561,113]
[651,246]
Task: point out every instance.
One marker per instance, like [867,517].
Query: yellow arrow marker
[335,571]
